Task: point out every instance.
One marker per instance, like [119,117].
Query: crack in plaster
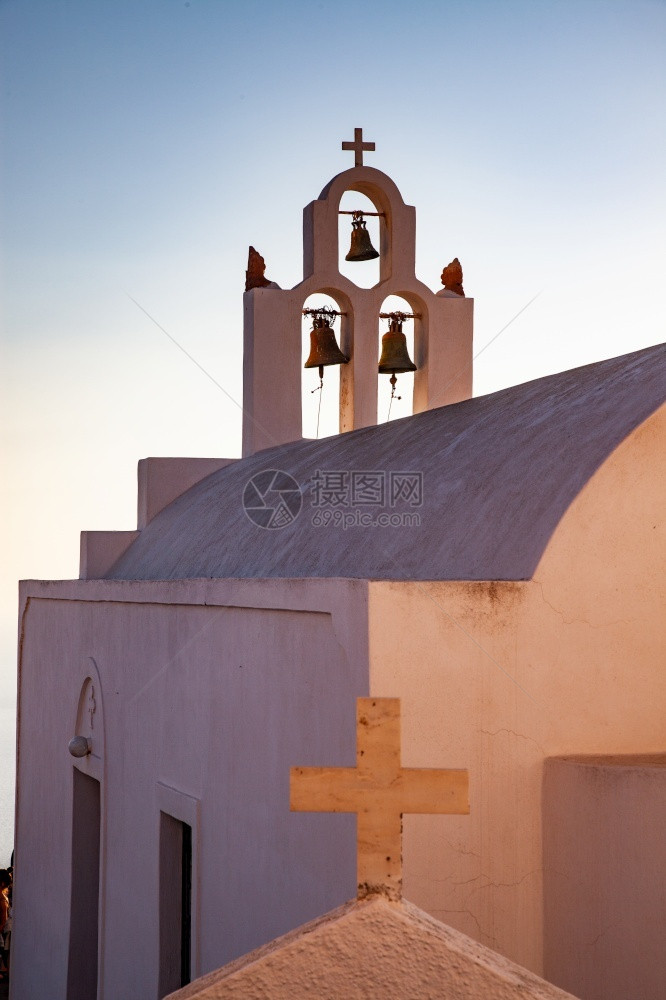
[474,918]
[456,850]
[579,621]
[591,944]
[512,732]
[490,883]
[508,885]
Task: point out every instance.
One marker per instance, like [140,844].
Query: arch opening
[321,406]
[402,403]
[364,274]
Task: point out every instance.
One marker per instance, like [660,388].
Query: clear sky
[147,143]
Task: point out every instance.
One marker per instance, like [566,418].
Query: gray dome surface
[499,472]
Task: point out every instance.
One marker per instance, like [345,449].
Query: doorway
[82,966]
[175,904]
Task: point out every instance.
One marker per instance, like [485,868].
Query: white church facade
[516,612]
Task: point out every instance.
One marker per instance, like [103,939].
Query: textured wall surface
[391,951]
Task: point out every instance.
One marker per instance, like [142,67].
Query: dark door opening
[175,904]
[84,906]
[186,906]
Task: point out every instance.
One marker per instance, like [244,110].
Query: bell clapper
[393,380]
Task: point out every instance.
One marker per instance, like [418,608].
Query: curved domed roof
[499,472]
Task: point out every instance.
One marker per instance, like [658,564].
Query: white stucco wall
[210,691]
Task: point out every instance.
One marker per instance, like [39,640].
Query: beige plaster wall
[497,676]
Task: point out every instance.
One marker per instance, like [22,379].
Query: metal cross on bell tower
[359,147]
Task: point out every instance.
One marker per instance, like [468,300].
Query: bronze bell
[395,356]
[324,348]
[361,246]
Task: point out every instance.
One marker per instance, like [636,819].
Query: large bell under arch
[321,403]
[363,273]
[401,405]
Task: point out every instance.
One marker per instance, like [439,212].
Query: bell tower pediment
[397,224]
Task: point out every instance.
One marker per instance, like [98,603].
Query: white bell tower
[443,326]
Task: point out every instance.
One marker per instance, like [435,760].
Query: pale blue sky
[147,143]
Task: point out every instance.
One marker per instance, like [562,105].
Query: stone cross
[379,790]
[359,147]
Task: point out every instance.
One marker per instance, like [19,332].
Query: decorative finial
[452,277]
[379,790]
[359,147]
[254,276]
